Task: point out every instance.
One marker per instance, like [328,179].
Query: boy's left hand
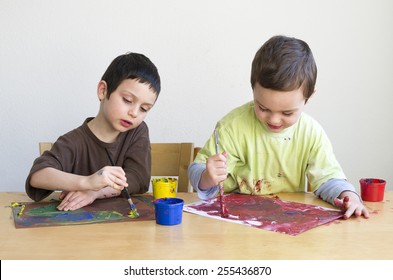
[351,204]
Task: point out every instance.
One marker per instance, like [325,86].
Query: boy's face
[278,110]
[128,105]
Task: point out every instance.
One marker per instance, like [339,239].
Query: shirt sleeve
[55,158]
[333,188]
[322,164]
[194,173]
[137,161]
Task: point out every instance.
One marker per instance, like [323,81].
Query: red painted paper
[266,213]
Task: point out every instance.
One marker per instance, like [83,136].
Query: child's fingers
[351,207]
[115,170]
[216,162]
[116,186]
[218,157]
[120,181]
[71,204]
[350,211]
[118,172]
[63,195]
[338,202]
[361,210]
[365,213]
[76,204]
[342,203]
[345,206]
[346,203]
[114,177]
[216,168]
[66,200]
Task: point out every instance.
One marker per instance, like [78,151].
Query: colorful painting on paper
[43,214]
[266,213]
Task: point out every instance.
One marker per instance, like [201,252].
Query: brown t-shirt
[81,152]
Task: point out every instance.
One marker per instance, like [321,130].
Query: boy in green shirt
[270,145]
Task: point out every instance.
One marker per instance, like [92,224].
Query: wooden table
[200,237]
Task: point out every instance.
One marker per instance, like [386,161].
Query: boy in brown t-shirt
[106,153]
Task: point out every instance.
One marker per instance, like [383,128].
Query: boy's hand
[108,176]
[350,203]
[76,199]
[216,171]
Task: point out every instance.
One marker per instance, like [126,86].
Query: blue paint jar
[169,211]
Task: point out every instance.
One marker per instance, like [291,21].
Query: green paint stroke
[49,210]
[108,215]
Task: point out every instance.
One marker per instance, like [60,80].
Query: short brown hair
[285,64]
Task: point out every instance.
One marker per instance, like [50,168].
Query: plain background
[53,53]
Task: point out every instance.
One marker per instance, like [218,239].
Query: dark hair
[285,64]
[131,66]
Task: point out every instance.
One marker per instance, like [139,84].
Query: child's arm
[195,173]
[334,192]
[52,179]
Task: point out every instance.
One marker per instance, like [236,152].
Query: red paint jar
[372,189]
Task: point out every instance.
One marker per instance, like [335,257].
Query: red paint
[224,209]
[372,189]
[258,186]
[269,213]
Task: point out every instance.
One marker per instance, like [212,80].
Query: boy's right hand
[108,176]
[216,171]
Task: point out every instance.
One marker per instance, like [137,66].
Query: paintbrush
[224,209]
[133,212]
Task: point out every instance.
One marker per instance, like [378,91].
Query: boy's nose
[274,119]
[133,112]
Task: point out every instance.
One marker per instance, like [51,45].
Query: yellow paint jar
[164,187]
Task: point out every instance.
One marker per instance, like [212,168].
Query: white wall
[53,53]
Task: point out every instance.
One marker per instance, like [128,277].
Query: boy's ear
[101,90]
[315,90]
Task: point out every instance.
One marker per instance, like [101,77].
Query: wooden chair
[44,146]
[168,159]
[173,159]
[196,151]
